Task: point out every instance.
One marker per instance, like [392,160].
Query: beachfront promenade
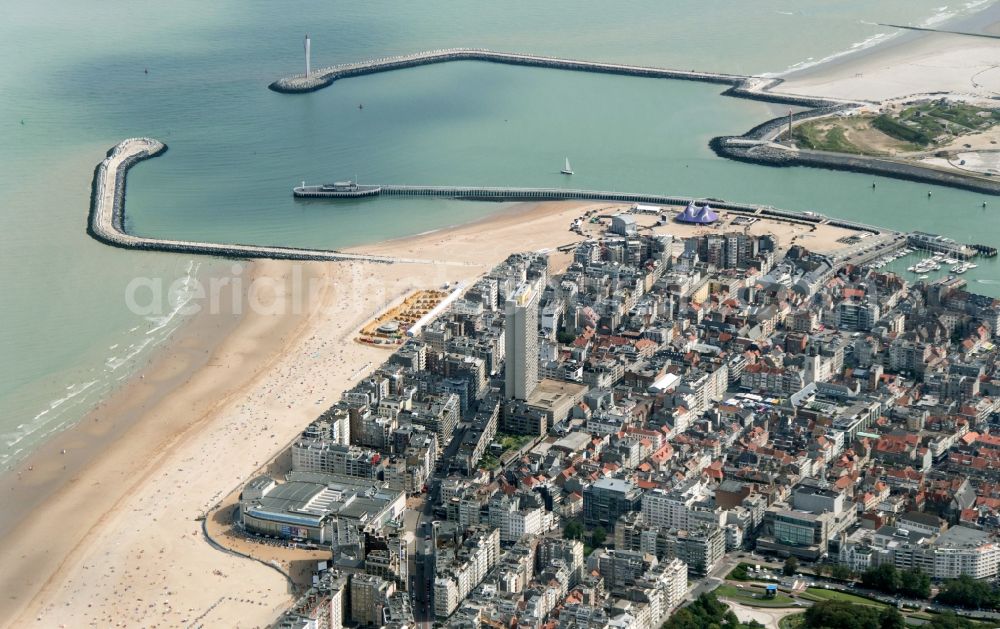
[107,216]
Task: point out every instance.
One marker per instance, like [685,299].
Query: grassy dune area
[916,128]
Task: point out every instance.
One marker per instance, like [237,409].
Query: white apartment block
[677,508]
[456,582]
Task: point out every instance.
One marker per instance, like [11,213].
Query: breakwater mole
[107,216]
[318,79]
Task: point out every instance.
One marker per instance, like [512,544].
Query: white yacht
[568,170]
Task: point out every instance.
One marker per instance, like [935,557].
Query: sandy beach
[912,63]
[118,543]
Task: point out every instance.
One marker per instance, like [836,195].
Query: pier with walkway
[486,193]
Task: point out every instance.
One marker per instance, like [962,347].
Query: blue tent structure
[703,215]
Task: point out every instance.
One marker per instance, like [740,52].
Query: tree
[843,615]
[840,572]
[707,612]
[565,337]
[915,583]
[890,618]
[968,592]
[948,621]
[820,569]
[884,578]
[791,566]
[598,536]
[573,530]
[739,573]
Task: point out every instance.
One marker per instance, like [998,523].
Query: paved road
[715,578]
[420,563]
[718,576]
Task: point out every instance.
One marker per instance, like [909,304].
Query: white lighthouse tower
[308,53]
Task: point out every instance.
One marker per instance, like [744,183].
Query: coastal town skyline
[607,335]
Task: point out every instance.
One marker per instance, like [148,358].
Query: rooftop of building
[901,535]
[919,517]
[311,497]
[614,484]
[817,491]
[573,442]
[550,394]
[962,537]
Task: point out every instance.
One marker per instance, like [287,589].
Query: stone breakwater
[107,216]
[755,146]
[740,85]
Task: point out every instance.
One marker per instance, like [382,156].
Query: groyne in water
[107,216]
[755,146]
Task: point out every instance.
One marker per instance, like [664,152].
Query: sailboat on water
[568,170]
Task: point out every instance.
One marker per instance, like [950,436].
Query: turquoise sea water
[74,84]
